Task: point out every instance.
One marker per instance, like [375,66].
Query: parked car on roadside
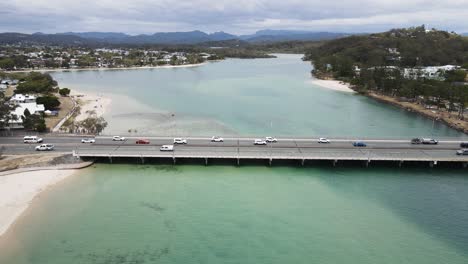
[142,141]
[167,148]
[118,138]
[45,147]
[88,140]
[462,152]
[323,140]
[217,139]
[180,141]
[464,145]
[359,144]
[259,142]
[271,139]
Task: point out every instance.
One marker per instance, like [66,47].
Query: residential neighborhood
[18,57]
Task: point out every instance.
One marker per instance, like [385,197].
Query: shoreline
[19,187]
[443,117]
[333,85]
[110,69]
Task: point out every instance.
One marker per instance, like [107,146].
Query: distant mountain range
[166,38]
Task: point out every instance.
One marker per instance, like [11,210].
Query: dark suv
[416,141]
[464,145]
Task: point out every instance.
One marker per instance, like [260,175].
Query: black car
[464,145]
[416,141]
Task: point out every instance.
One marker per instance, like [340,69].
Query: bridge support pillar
[432,163]
[465,165]
[335,162]
[400,163]
[142,160]
[367,163]
[174,160]
[206,161]
[302,162]
[110,159]
[238,162]
[270,161]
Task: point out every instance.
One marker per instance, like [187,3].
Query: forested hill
[410,47]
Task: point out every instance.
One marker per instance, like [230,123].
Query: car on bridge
[359,144]
[88,140]
[464,145]
[217,139]
[142,142]
[259,142]
[167,148]
[118,138]
[32,139]
[271,139]
[180,141]
[416,141]
[45,147]
[429,141]
[323,140]
[462,152]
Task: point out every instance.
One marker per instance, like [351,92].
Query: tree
[93,124]
[7,64]
[5,111]
[37,82]
[49,101]
[64,92]
[34,122]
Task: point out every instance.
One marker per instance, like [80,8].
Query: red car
[142,141]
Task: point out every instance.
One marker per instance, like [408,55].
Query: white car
[180,141]
[88,140]
[32,139]
[45,147]
[271,140]
[259,142]
[323,140]
[118,138]
[217,139]
[167,148]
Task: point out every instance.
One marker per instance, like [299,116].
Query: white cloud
[237,16]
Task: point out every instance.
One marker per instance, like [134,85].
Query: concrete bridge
[300,150]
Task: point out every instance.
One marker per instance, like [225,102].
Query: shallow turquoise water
[224,214]
[242,97]
[247,214]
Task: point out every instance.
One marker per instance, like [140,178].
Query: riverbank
[110,69]
[449,119]
[24,177]
[333,85]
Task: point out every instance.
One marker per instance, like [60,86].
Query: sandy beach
[18,190]
[91,103]
[333,85]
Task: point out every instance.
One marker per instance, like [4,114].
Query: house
[17,114]
[431,72]
[20,98]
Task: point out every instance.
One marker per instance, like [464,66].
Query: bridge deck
[277,152]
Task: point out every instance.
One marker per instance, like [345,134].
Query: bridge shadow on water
[281,163]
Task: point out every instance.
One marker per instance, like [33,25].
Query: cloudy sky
[234,16]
